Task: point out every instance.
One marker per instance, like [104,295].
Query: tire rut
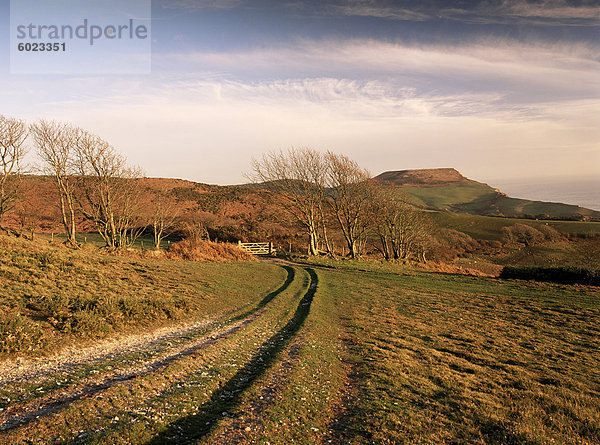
[194,427]
[18,416]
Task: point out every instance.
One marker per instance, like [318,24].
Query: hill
[445,189]
[251,213]
[424,177]
[230,213]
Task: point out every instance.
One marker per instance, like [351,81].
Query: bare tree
[130,224]
[298,175]
[28,221]
[351,193]
[27,217]
[404,232]
[193,227]
[109,191]
[56,143]
[13,133]
[164,216]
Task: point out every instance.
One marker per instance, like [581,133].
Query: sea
[584,192]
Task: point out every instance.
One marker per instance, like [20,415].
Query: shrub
[524,234]
[19,334]
[200,250]
[550,233]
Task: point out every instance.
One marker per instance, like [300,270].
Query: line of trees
[316,188]
[319,190]
[93,181]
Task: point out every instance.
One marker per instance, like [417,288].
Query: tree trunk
[313,240]
[385,249]
[352,248]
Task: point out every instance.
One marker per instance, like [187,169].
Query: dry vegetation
[199,250]
[52,295]
[337,351]
[379,355]
[445,359]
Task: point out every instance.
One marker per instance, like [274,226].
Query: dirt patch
[22,369]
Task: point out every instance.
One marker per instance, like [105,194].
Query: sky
[500,90]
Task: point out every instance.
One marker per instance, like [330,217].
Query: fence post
[270,248]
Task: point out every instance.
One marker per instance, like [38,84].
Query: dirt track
[48,387]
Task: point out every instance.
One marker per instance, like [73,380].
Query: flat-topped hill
[446,189]
[426,176]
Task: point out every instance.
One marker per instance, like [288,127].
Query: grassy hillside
[342,355]
[480,199]
[447,189]
[490,227]
[52,296]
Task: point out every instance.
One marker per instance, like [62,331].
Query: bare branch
[13,134]
[298,176]
[55,144]
[350,189]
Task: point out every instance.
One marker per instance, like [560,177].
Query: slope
[445,189]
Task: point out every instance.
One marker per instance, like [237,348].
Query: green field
[490,227]
[480,199]
[288,353]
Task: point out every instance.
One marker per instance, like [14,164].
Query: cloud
[539,12]
[489,108]
[558,10]
[208,129]
[199,4]
[521,72]
[379,9]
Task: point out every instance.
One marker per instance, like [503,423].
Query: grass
[481,199]
[154,401]
[450,359]
[52,296]
[93,239]
[354,352]
[447,197]
[490,228]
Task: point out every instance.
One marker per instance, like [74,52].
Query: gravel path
[38,387]
[21,369]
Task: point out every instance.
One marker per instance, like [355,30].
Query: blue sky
[497,89]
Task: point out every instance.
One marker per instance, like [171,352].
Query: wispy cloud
[522,72]
[559,10]
[541,12]
[489,107]
[208,129]
[199,4]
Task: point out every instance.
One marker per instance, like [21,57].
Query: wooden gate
[257,248]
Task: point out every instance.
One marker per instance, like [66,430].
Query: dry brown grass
[199,250]
[455,359]
[483,269]
[51,296]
